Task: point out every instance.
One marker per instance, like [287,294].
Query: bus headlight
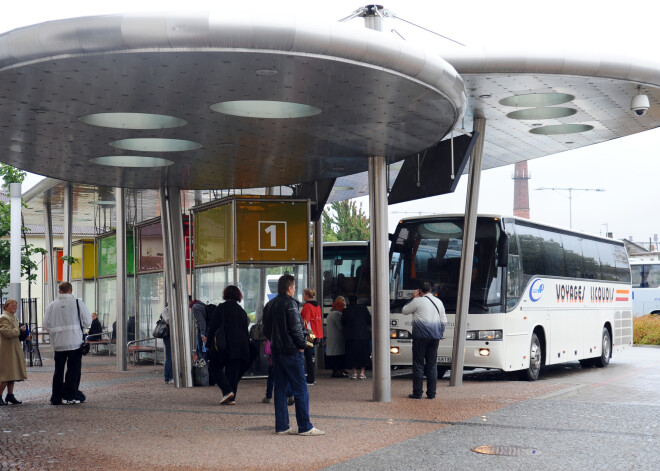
[394,350]
[483,335]
[400,334]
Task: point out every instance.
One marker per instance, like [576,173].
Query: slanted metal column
[67,230]
[15,245]
[318,260]
[467,255]
[380,300]
[120,234]
[175,264]
[52,269]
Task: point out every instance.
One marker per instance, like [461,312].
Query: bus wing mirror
[503,250]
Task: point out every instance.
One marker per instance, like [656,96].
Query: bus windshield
[430,250]
[346,272]
[645,275]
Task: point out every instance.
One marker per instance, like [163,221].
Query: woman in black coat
[356,320]
[228,344]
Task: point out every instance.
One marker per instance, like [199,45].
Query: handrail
[100,334]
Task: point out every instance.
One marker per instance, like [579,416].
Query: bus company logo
[536,290]
[602,295]
[570,293]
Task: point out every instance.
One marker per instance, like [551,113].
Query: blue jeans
[200,348]
[270,382]
[291,369]
[425,362]
[167,371]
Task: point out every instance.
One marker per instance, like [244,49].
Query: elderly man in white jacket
[65,320]
[429,321]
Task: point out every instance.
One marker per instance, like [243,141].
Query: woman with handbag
[12,363]
[167,370]
[228,344]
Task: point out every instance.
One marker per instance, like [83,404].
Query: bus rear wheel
[535,360]
[606,350]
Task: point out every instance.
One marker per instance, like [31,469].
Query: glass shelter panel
[89,261]
[151,247]
[107,255]
[210,283]
[214,235]
[151,292]
[89,296]
[107,309]
[77,267]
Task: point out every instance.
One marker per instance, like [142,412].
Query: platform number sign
[272,236]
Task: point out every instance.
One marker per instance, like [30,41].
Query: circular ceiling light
[561,129]
[542,113]
[155,144]
[537,99]
[133,120]
[265,109]
[132,161]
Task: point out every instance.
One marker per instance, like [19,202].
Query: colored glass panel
[272,231]
[89,261]
[214,235]
[77,267]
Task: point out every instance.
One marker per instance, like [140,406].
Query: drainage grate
[505,450]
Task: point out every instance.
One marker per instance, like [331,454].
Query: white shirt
[63,324]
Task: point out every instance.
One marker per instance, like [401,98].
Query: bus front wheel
[606,349]
[535,360]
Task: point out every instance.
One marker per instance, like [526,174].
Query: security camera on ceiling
[640,103]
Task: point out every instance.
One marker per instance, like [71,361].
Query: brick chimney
[521,190]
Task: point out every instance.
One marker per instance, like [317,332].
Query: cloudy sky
[627,169]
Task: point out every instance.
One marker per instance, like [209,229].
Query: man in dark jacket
[283,326]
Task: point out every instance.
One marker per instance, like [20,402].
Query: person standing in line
[335,346]
[283,326]
[167,342]
[12,362]
[231,359]
[429,321]
[66,318]
[356,320]
[313,320]
[199,314]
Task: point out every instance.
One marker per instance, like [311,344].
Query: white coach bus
[540,295]
[646,284]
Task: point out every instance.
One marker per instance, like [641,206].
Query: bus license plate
[444,359]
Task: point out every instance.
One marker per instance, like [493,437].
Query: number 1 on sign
[272,231]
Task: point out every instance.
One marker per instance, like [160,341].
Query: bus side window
[512,282]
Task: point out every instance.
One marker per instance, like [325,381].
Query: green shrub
[646,330]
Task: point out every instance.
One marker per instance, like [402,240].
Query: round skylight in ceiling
[561,129]
[542,113]
[537,99]
[265,109]
[133,120]
[155,144]
[132,161]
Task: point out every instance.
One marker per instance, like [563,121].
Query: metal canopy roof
[377,95]
[359,93]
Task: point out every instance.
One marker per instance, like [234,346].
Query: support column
[467,255]
[380,300]
[52,267]
[175,264]
[120,234]
[67,230]
[15,245]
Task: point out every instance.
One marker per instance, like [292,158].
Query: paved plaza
[570,419]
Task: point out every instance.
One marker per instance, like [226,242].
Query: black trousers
[425,363]
[66,387]
[309,364]
[227,376]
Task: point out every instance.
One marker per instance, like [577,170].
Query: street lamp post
[570,198]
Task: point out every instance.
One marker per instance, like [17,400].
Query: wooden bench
[95,340]
[135,350]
